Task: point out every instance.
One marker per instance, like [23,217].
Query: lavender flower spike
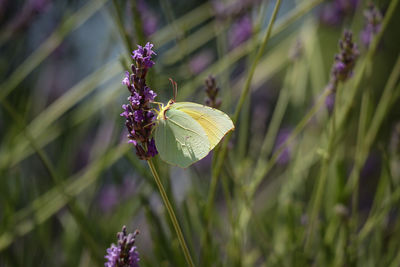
[139,117]
[343,66]
[124,254]
[373,26]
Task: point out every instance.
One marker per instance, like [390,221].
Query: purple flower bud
[151,148]
[344,61]
[124,253]
[148,17]
[330,101]
[241,31]
[138,115]
[112,256]
[126,81]
[373,24]
[132,142]
[126,111]
[134,99]
[143,54]
[149,95]
[285,155]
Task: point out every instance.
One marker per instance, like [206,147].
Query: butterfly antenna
[174,87]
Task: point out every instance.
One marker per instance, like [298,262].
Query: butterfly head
[163,110]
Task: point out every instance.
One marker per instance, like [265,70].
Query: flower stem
[171,213]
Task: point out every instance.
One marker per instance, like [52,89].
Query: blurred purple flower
[108,198]
[124,254]
[281,138]
[373,24]
[200,61]
[240,31]
[330,102]
[334,12]
[148,17]
[342,68]
[344,61]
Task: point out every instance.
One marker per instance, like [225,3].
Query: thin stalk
[171,213]
[320,187]
[362,127]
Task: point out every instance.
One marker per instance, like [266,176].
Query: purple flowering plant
[125,253]
[373,25]
[138,114]
[343,65]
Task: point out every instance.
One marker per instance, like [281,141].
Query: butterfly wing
[215,123]
[180,140]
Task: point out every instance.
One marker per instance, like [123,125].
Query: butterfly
[186,132]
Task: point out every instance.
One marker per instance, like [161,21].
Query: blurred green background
[301,185]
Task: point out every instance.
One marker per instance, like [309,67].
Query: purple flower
[373,26]
[143,54]
[342,68]
[132,142]
[149,19]
[200,61]
[108,198]
[138,114]
[149,95]
[344,61]
[334,12]
[240,32]
[126,111]
[126,81]
[285,155]
[112,256]
[151,148]
[124,254]
[330,101]
[134,99]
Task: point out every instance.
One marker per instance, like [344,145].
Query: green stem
[171,213]
[320,187]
